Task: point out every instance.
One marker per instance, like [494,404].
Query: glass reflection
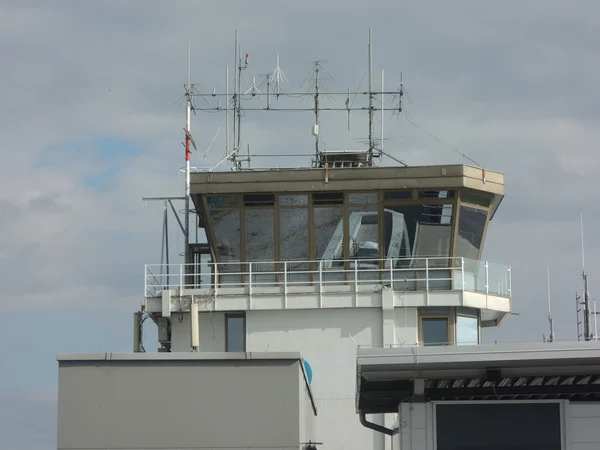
[470,232]
[226,228]
[434,331]
[329,236]
[467,330]
[411,232]
[359,198]
[293,236]
[260,238]
[293,200]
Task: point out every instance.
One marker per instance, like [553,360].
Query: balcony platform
[422,282]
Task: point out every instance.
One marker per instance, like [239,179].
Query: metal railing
[401,274]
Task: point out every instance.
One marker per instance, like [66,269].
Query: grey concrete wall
[168,404]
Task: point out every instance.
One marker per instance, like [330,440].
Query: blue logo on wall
[308,371]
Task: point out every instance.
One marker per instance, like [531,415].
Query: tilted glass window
[470,232]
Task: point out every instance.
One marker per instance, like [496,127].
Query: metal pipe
[227,109]
[379,428]
[381,111]
[194,326]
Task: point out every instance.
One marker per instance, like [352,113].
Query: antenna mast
[188,139]
[370,101]
[587,324]
[324,102]
[316,127]
[550,321]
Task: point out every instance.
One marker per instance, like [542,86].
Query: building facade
[489,397]
[323,262]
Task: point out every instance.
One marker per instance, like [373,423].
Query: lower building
[184,401]
[487,397]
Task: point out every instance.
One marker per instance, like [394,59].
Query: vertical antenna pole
[588,335]
[577,315]
[235,92]
[370,100]
[582,251]
[382,110]
[595,323]
[188,111]
[316,130]
[550,321]
[226,111]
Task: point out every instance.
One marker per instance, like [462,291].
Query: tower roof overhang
[350,179]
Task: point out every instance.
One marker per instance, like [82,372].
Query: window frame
[449,316]
[235,315]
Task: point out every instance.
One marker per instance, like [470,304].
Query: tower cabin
[405,241]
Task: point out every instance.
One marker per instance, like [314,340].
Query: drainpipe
[375,427]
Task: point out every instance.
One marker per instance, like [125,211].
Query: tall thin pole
[595,322]
[382,110]
[316,111]
[188,113]
[235,89]
[550,321]
[577,315]
[370,99]
[227,110]
[588,334]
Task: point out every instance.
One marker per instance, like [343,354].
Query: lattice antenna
[238,102]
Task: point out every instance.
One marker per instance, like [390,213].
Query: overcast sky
[90,123]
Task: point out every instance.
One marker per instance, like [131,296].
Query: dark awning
[386,377]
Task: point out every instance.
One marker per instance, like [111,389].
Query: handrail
[400,274]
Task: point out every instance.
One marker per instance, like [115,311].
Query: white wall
[584,427]
[327,339]
[212,332]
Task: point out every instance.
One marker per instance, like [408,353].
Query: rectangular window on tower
[235,332]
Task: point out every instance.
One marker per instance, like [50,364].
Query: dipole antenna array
[270,96]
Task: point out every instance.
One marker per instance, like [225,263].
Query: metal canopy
[387,377]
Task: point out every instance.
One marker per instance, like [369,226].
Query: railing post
[320,283]
[427,281]
[487,278]
[427,274]
[462,268]
[250,285]
[216,272]
[356,277]
[181,269]
[285,290]
[391,273]
[509,282]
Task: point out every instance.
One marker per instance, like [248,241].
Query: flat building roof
[357,179]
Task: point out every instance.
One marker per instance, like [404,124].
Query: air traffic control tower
[306,240]
[324,260]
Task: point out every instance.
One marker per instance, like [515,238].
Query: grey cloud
[511,84]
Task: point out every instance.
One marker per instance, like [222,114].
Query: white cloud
[510,91]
